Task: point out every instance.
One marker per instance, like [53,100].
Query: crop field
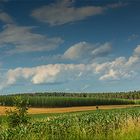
[73,117]
[118,124]
[66,109]
[66,100]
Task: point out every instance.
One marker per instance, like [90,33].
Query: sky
[69,46]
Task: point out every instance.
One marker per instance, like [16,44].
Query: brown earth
[66,109]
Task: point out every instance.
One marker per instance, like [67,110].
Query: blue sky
[69,45]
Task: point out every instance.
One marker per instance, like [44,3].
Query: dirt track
[66,109]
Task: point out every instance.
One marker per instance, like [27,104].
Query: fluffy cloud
[4,17]
[22,39]
[78,50]
[135,58]
[117,74]
[102,50]
[64,12]
[84,50]
[81,52]
[50,73]
[137,51]
[120,68]
[116,70]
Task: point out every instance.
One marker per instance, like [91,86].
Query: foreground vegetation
[74,99]
[117,124]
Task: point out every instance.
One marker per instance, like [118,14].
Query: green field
[75,99]
[117,124]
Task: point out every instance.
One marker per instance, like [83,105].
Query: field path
[66,109]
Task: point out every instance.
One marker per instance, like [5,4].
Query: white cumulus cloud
[50,73]
[84,50]
[120,68]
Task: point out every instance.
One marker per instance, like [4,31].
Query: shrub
[19,115]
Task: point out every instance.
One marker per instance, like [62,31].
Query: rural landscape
[79,116]
[69,69]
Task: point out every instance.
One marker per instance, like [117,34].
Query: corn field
[117,124]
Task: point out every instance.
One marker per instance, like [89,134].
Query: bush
[19,115]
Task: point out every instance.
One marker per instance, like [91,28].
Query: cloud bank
[120,68]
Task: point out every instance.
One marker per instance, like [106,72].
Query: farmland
[75,117]
[118,124]
[74,99]
[66,109]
